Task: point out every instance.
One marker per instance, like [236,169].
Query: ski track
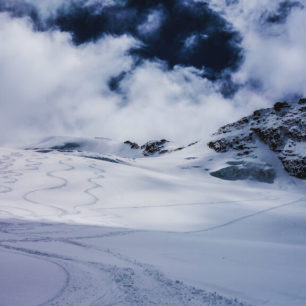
[63,184]
[303,199]
[8,177]
[32,165]
[28,253]
[94,282]
[88,191]
[185,204]
[133,283]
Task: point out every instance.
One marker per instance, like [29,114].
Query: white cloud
[153,23]
[48,86]
[275,54]
[55,88]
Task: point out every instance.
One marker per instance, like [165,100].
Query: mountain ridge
[282,129]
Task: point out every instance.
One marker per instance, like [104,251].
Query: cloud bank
[144,69]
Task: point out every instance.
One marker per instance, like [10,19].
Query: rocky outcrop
[246,171]
[156,147]
[153,147]
[282,128]
[133,145]
[150,147]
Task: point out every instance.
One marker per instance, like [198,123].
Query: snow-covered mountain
[282,129]
[104,145]
[99,222]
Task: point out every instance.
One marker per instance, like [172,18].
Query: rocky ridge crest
[281,128]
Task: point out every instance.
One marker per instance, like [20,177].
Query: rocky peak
[150,147]
[156,147]
[282,128]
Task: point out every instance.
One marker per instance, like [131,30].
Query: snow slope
[129,230]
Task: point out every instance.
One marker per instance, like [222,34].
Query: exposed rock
[280,105]
[302,101]
[156,147]
[153,147]
[133,145]
[246,170]
[69,146]
[282,128]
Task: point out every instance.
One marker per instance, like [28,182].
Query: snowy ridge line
[64,183]
[303,199]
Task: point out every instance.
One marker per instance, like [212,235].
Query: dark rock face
[246,170]
[69,146]
[156,147]
[133,145]
[282,128]
[153,147]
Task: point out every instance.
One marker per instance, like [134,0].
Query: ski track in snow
[63,183]
[133,283]
[81,285]
[89,190]
[8,177]
[36,255]
[96,282]
[184,204]
[303,199]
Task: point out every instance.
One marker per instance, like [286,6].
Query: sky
[145,69]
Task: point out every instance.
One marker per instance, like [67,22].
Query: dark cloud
[282,12]
[114,82]
[231,2]
[188,34]
[133,69]
[23,9]
[185,33]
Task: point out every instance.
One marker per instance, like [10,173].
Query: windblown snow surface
[126,230]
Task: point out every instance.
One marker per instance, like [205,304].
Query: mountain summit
[280,129]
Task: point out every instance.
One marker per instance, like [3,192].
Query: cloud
[161,25]
[52,87]
[153,70]
[152,24]
[273,44]
[49,86]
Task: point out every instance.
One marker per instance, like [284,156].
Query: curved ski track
[95,282]
[131,283]
[89,190]
[303,199]
[63,184]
